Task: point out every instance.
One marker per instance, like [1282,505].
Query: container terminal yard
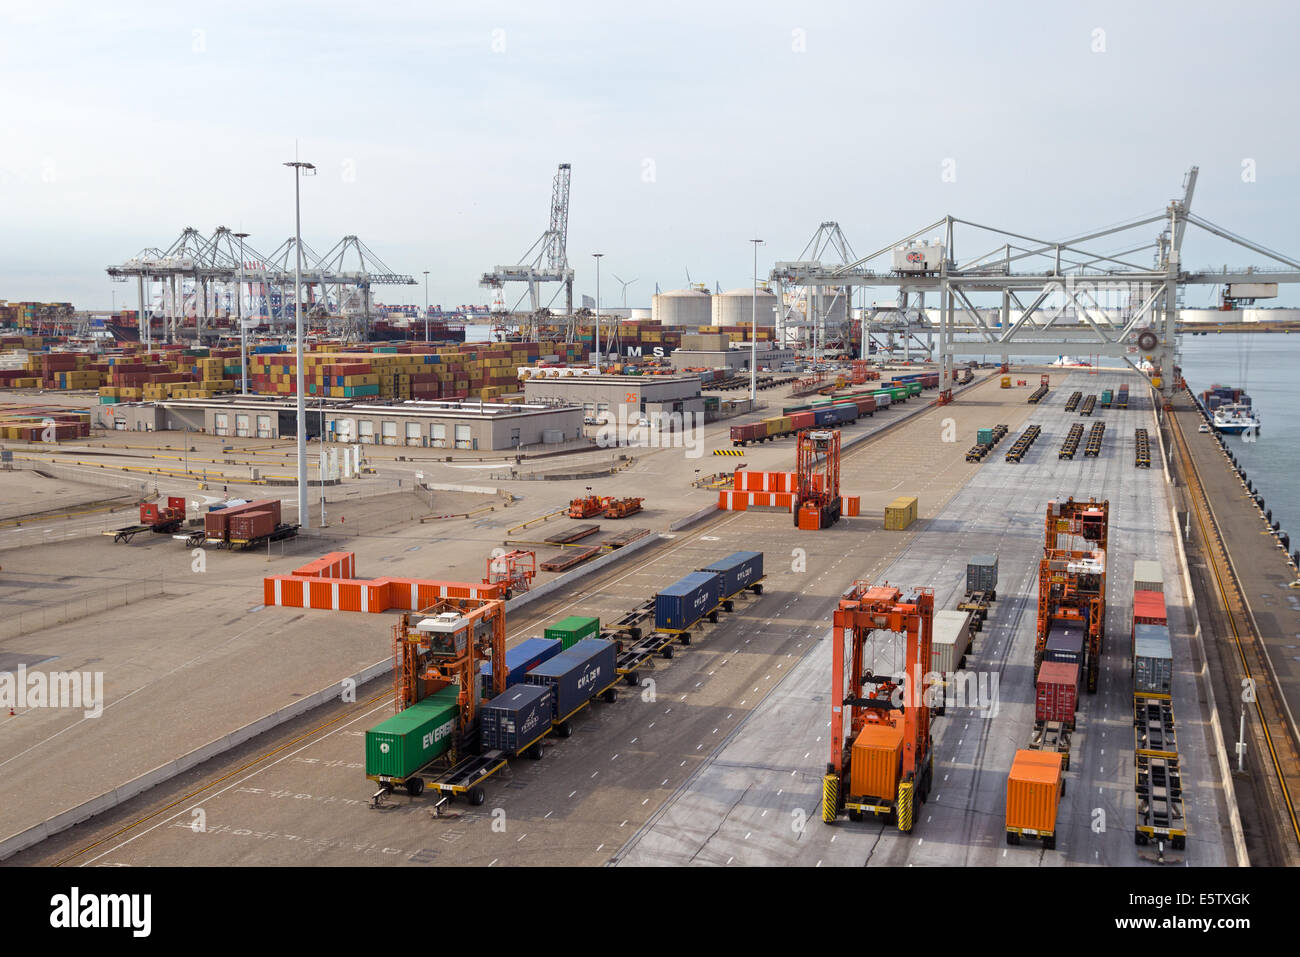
[717,755]
[647,599]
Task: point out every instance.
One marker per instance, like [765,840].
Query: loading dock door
[462,437]
[241,425]
[367,432]
[264,427]
[413,436]
[438,435]
[221,423]
[390,433]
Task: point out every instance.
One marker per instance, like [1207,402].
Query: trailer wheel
[1049,843]
[728,606]
[1013,837]
[757,589]
[855,816]
[1179,843]
[610,695]
[476,796]
[534,752]
[630,678]
[713,617]
[415,786]
[684,637]
[993,595]
[1063,783]
[1139,839]
[564,729]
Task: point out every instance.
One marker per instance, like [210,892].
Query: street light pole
[239,311]
[304,517]
[426,305]
[753,331]
[597,256]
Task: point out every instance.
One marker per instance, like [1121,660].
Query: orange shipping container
[760,498]
[877,755]
[1034,791]
[784,499]
[739,501]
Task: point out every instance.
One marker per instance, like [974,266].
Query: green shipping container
[410,739]
[984,437]
[572,630]
[1106,395]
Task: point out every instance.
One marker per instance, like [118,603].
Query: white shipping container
[951,640]
[1148,576]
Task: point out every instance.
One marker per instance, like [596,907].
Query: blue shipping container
[1064,643]
[683,603]
[513,720]
[521,659]
[577,675]
[738,570]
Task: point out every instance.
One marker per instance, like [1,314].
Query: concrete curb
[691,519]
[165,772]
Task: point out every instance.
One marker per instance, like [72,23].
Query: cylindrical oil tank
[682,307]
[740,307]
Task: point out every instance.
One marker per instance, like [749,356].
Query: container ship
[1230,409]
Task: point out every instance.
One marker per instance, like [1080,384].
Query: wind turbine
[625,285]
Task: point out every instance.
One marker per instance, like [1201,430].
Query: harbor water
[1265,366]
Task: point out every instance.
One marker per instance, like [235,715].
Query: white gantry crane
[1056,297]
[545,261]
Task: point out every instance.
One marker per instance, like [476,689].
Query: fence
[83,606]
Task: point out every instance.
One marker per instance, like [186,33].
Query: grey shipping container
[684,602]
[515,719]
[1153,659]
[982,573]
[577,675]
[1064,643]
[739,570]
[951,639]
[1148,576]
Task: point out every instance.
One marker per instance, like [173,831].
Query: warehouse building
[623,396]
[447,424]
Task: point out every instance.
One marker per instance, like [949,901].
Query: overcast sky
[691,128]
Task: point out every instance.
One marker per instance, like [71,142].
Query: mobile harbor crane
[1072,578]
[888,760]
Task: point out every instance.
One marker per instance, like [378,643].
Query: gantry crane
[444,645]
[1072,576]
[889,720]
[545,261]
[817,490]
[515,569]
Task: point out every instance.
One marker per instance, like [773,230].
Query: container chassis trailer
[1089,404]
[1159,787]
[1154,733]
[463,777]
[1052,736]
[1024,443]
[131,531]
[1071,443]
[1072,402]
[1141,449]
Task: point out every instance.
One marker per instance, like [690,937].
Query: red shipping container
[802,420]
[1149,608]
[247,526]
[1057,693]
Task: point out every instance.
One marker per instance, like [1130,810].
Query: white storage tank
[682,307]
[740,307]
[1270,315]
[1210,315]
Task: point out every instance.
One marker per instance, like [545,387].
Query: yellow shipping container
[900,513]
